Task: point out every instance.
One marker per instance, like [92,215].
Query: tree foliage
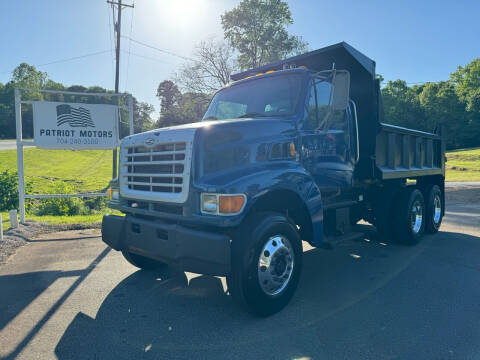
[257,30]
[168,94]
[453,104]
[27,76]
[467,81]
[190,108]
[213,63]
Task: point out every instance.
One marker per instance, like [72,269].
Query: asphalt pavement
[68,296]
[9,145]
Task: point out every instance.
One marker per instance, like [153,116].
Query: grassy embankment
[463,165]
[90,171]
[86,171]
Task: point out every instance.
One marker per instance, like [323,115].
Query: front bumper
[198,251]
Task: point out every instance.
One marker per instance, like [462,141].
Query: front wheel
[266,263]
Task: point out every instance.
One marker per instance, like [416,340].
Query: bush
[96,204]
[61,206]
[8,190]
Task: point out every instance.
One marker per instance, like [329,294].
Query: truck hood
[227,148]
[223,149]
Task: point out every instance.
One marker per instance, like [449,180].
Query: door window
[318,104]
[331,126]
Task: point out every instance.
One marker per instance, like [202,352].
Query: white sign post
[64,125]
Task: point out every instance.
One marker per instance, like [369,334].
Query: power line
[158,49]
[68,59]
[149,58]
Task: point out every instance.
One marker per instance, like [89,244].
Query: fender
[259,180]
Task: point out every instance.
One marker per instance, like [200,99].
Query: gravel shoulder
[15,238]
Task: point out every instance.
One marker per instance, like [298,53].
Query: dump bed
[406,153]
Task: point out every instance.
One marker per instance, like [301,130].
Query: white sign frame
[75,126]
[21,143]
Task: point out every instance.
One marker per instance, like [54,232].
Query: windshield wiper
[252,115]
[210,118]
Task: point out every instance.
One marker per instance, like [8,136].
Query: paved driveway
[9,145]
[67,296]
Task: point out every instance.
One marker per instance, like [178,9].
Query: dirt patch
[14,238]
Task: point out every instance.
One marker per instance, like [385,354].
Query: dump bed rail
[407,153]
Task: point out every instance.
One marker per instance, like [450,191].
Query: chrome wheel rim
[275,265]
[437,209]
[416,216]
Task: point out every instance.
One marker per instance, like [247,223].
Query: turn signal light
[231,204]
[292,150]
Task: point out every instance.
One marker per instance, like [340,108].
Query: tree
[402,106]
[28,76]
[467,84]
[442,106]
[189,109]
[211,68]
[257,29]
[168,94]
[142,115]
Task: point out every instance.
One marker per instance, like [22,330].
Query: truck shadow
[166,315]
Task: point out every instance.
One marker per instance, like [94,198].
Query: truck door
[326,143]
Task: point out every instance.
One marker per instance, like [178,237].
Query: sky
[417,41]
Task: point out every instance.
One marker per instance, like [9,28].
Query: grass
[75,219]
[86,170]
[463,165]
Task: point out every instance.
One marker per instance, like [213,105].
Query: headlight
[113,194]
[209,203]
[223,204]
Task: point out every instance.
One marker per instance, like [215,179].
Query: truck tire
[434,209]
[143,262]
[409,220]
[266,263]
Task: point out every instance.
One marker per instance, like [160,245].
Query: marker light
[113,194]
[231,204]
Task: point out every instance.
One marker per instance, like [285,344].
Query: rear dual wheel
[434,209]
[417,213]
[409,216]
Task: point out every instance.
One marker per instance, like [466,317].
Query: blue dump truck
[294,150]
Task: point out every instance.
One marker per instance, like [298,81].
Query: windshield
[267,96]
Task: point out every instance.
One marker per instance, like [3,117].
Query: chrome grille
[155,166]
[156,169]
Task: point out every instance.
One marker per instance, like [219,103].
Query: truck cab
[288,152]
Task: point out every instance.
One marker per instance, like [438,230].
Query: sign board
[77,126]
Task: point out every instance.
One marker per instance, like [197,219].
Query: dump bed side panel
[402,153]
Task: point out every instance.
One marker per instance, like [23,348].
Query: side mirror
[341,90]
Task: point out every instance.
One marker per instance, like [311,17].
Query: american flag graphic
[74,117]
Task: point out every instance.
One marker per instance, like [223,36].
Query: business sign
[75,126]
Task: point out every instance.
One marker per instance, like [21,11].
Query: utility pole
[117,26]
